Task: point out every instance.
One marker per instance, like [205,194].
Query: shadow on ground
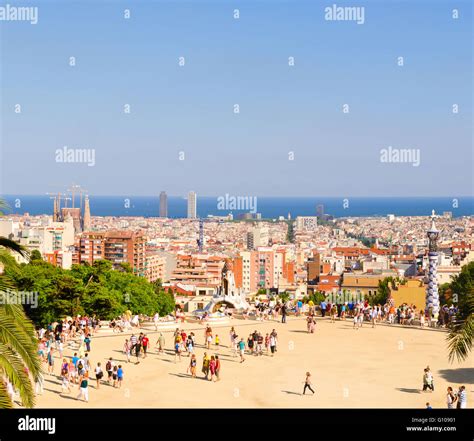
[409,391]
[289,392]
[460,375]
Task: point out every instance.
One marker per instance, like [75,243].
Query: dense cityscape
[299,256]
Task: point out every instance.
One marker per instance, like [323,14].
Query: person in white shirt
[98,374]
[450,398]
[462,398]
[374,317]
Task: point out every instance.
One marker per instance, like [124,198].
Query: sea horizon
[268,206]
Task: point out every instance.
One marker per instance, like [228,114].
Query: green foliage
[290,234]
[463,284]
[444,291]
[126,267]
[369,242]
[383,291]
[86,289]
[461,330]
[35,255]
[18,356]
[316,297]
[284,296]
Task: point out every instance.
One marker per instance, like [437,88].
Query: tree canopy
[87,289]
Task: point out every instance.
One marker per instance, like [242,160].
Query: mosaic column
[432,296]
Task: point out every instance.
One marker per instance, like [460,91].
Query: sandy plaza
[366,368]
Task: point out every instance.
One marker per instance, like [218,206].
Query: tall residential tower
[163,204]
[192,205]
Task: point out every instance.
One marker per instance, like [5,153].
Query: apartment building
[155,267]
[201,269]
[115,246]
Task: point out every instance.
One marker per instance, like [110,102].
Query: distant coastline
[269,207]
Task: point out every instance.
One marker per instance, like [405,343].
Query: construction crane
[76,188]
[58,197]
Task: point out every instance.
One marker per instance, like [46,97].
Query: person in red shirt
[218,368]
[145,342]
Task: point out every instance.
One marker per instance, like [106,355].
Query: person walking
[161,343]
[323,306]
[87,341]
[232,337]
[138,347]
[430,375]
[145,342]
[98,374]
[177,351]
[50,359]
[192,366]
[109,367]
[114,376]
[242,350]
[212,368]
[274,333]
[283,313]
[127,347]
[190,346]
[119,376]
[272,344]
[65,378]
[205,365]
[307,383]
[218,368]
[267,343]
[427,380]
[84,388]
[250,344]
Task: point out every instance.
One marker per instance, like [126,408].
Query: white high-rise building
[192,205]
[306,223]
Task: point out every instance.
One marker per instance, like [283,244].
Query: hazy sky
[241,61]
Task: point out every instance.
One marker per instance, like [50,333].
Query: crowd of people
[76,335]
[404,314]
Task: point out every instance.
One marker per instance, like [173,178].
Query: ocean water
[269,207]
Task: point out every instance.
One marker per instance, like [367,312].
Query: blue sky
[243,62]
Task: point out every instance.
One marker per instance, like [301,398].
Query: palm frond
[15,371]
[13,335]
[461,332]
[3,206]
[5,401]
[460,340]
[16,311]
[13,246]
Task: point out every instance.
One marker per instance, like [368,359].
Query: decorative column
[432,296]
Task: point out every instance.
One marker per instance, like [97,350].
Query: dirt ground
[366,368]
